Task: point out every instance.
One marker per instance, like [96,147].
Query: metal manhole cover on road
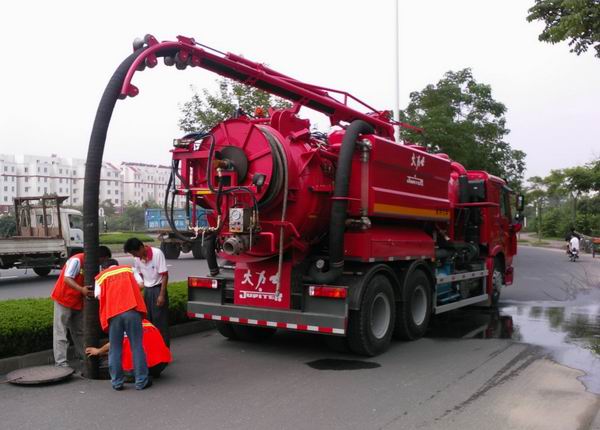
[39,375]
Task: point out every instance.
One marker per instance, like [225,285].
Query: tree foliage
[206,110]
[566,198]
[577,21]
[461,118]
[8,225]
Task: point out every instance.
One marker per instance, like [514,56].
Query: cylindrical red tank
[388,182]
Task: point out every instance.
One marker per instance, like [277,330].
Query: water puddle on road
[569,331]
[342,364]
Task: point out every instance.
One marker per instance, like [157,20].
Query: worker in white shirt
[150,265]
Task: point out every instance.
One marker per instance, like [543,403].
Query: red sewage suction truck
[348,234]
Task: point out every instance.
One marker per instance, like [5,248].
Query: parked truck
[46,235]
[170,226]
[349,233]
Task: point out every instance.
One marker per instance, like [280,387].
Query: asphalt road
[19,283]
[475,369]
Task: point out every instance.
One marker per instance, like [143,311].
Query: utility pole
[397,69]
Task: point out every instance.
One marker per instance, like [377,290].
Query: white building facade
[127,183]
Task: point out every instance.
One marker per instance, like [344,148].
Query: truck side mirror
[520,203]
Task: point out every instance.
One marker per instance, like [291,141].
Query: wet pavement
[566,325]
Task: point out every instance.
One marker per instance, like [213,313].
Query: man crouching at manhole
[158,355]
[121,311]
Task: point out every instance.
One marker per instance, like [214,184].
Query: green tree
[460,117]
[577,21]
[8,225]
[206,110]
[536,193]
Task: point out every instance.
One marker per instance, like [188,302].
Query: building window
[26,169]
[45,190]
[60,190]
[12,169]
[75,190]
[108,192]
[26,179]
[13,188]
[5,198]
[116,200]
[5,188]
[45,170]
[26,189]
[38,189]
[60,171]
[45,179]
[75,200]
[116,191]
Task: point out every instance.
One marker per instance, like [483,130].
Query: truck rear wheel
[226,330]
[413,311]
[42,271]
[370,329]
[171,250]
[252,334]
[197,250]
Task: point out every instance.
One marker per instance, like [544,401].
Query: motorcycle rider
[574,245]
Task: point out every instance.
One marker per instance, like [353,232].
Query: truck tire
[371,327]
[497,283]
[171,250]
[252,334]
[413,311]
[197,250]
[42,271]
[226,330]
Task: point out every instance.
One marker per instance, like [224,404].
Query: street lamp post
[397,69]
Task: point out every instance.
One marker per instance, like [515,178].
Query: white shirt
[574,243]
[98,288]
[151,271]
[73,268]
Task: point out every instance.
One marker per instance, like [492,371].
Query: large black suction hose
[337,223]
[91,190]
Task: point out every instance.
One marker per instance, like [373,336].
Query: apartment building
[30,175]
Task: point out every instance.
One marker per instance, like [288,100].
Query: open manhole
[39,375]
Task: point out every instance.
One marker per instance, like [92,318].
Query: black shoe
[118,388]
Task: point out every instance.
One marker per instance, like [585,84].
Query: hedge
[26,324]
[121,238]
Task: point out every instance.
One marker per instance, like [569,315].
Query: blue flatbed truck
[172,246]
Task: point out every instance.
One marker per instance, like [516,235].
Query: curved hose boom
[187,52]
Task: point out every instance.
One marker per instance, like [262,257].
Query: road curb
[596,423]
[41,358]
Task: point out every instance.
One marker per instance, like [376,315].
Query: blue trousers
[129,322]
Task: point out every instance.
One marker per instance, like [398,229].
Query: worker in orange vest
[68,294]
[122,309]
[158,355]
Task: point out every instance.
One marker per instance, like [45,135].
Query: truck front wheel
[171,250]
[370,329]
[413,311]
[42,271]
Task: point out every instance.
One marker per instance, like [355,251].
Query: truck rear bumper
[289,320]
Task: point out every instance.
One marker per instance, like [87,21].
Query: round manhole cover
[39,375]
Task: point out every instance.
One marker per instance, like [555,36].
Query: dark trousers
[159,316]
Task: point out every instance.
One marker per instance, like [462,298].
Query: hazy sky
[59,55]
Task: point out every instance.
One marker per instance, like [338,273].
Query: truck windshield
[76,221]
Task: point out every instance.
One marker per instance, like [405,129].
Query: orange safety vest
[154,346]
[119,292]
[63,293]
